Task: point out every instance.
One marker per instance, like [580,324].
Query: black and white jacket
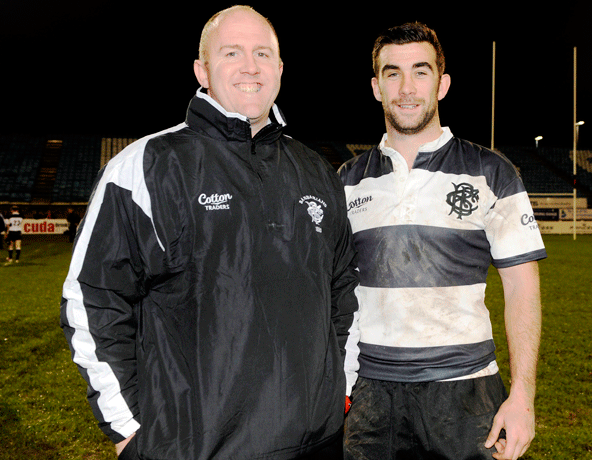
[211,292]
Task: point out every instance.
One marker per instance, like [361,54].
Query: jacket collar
[208,117]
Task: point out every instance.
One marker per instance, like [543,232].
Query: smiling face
[409,86]
[241,66]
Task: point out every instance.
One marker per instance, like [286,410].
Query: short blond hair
[214,21]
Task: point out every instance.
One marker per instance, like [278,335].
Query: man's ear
[444,86]
[376,89]
[201,73]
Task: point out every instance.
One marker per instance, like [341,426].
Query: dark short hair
[411,32]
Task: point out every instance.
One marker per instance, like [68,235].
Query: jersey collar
[427,147]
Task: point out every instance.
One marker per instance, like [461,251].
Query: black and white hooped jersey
[15,223]
[425,239]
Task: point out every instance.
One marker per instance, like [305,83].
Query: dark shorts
[333,450]
[420,421]
[13,236]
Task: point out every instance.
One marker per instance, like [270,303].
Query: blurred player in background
[14,234]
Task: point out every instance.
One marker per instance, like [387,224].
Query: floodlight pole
[575,135]
[493,98]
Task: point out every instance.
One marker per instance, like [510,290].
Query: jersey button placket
[400,185]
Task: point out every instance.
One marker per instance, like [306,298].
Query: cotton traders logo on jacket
[315,209]
[461,200]
[215,202]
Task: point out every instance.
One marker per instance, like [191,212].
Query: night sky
[126,69]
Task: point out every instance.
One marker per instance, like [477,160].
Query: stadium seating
[334,152]
[536,175]
[543,170]
[79,164]
[20,156]
[550,170]
[563,159]
[111,146]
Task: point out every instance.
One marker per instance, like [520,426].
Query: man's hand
[121,445]
[516,416]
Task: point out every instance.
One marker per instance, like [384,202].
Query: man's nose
[407,85]
[250,65]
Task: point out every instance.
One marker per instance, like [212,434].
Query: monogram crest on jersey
[315,209]
[463,200]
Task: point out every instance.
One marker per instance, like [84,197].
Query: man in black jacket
[210,295]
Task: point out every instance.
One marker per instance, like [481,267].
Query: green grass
[564,383]
[43,408]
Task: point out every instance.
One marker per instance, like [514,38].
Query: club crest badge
[462,199]
[315,209]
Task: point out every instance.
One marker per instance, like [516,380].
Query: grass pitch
[43,408]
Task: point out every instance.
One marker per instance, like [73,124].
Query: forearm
[523,330]
[523,320]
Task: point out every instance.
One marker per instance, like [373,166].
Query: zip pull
[255,161]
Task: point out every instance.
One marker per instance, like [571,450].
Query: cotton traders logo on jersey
[357,205]
[530,221]
[461,200]
[215,202]
[315,209]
